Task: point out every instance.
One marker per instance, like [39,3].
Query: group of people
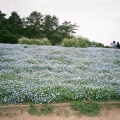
[115,45]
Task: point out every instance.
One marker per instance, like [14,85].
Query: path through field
[20,114]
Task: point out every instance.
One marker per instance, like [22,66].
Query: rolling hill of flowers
[47,74]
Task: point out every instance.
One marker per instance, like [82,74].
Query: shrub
[80,42]
[74,42]
[43,41]
[55,39]
[90,109]
[23,40]
[7,37]
[97,44]
[86,41]
[70,43]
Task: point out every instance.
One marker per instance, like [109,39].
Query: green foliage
[1,114]
[14,23]
[83,43]
[36,27]
[7,37]
[10,29]
[32,110]
[55,39]
[74,42]
[2,21]
[61,112]
[79,42]
[86,108]
[70,43]
[50,24]
[67,29]
[43,41]
[33,25]
[117,62]
[44,110]
[95,44]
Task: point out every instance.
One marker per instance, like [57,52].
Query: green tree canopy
[14,23]
[67,29]
[33,24]
[36,25]
[2,21]
[50,24]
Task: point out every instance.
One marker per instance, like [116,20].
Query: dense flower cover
[46,74]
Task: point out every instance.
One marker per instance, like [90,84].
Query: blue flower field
[48,74]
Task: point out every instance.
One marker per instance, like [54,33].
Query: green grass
[32,110]
[118,106]
[10,76]
[86,108]
[44,110]
[1,114]
[117,62]
[8,60]
[62,112]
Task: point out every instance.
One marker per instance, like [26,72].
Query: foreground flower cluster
[45,74]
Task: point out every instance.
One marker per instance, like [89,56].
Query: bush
[43,41]
[83,43]
[7,37]
[80,42]
[74,42]
[95,44]
[23,40]
[55,39]
[90,109]
[70,43]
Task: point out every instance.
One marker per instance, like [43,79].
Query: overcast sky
[99,20]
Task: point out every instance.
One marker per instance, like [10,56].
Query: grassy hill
[46,74]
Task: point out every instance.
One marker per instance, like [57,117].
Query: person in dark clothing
[118,45]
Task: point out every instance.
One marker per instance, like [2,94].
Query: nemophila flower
[44,74]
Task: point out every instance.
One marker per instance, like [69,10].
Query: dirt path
[20,113]
[113,114]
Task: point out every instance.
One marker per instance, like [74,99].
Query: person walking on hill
[113,44]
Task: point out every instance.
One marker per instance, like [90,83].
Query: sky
[99,20]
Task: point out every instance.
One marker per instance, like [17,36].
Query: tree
[67,29]
[2,21]
[15,24]
[50,25]
[33,24]
[7,37]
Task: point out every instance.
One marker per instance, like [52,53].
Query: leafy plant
[86,108]
[44,110]
[70,43]
[80,42]
[43,41]
[61,112]
[32,110]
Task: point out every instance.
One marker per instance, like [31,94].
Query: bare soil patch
[61,112]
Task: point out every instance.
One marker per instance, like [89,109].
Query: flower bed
[47,74]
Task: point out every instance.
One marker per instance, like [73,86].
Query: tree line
[35,26]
